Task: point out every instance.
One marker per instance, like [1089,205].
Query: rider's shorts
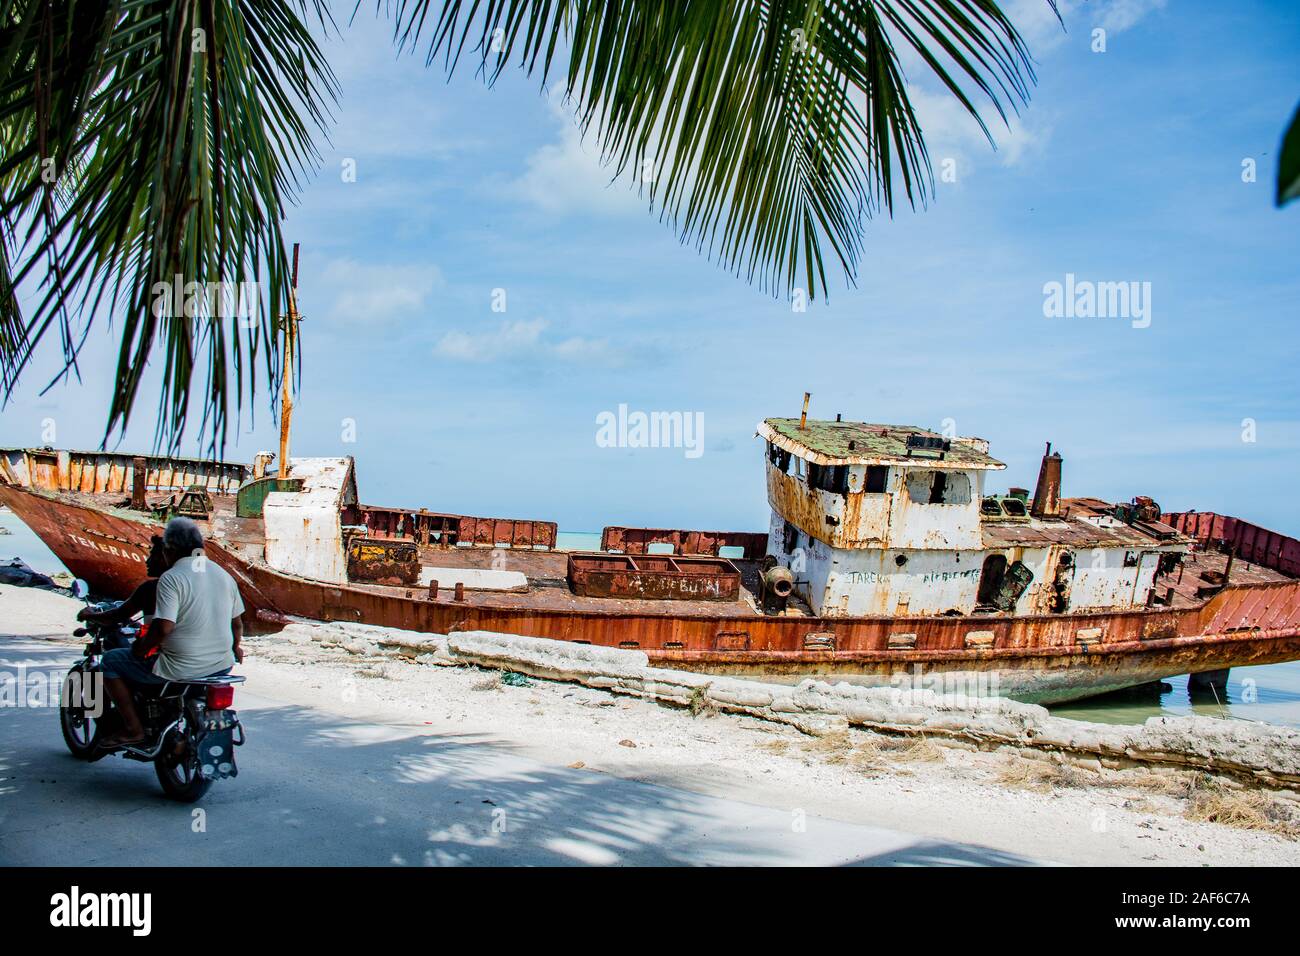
[120,662]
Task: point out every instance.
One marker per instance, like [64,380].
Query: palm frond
[771,130]
[149,144]
[1288,164]
[131,153]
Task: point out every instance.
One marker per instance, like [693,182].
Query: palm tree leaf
[178,129]
[1288,166]
[763,132]
[774,129]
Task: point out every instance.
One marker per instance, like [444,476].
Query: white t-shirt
[201,599]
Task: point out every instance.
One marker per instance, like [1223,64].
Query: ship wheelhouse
[872,519]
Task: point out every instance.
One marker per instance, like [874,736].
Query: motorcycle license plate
[217,755]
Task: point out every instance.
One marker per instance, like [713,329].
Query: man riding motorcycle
[196,628]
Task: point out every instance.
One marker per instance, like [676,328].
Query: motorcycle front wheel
[80,728]
[178,774]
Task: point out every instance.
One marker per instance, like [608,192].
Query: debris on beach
[18,573]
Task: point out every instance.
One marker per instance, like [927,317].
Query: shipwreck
[887,556]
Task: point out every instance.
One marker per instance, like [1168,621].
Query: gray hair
[182,536]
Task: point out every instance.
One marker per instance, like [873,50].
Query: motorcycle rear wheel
[179,777]
[80,729]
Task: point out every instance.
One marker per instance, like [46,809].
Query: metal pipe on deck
[1047,493]
[286,383]
[139,474]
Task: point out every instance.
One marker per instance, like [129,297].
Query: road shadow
[939,853]
[318,789]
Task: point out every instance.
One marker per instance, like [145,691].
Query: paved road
[315,789]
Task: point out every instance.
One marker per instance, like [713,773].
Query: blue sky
[1126,166]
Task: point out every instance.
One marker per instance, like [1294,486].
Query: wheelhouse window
[877,479]
[939,487]
[832,478]
[779,457]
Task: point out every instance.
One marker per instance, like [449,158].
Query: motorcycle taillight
[220,696]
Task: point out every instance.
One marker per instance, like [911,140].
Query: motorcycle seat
[193,687]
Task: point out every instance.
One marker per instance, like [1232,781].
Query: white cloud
[1043,32]
[952,133]
[568,176]
[1120,15]
[512,338]
[370,292]
[392,107]
[524,340]
[1038,25]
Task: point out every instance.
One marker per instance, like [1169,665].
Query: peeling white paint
[474,579]
[304,535]
[894,552]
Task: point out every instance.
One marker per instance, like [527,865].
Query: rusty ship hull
[1254,618]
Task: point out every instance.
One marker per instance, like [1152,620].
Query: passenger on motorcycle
[143,599]
[196,628]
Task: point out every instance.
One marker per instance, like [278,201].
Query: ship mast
[286,383]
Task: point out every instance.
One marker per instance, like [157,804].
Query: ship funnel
[803,419]
[1047,494]
[260,461]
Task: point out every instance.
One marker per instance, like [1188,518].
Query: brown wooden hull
[1039,658]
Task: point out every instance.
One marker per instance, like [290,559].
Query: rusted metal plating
[92,472]
[656,576]
[1247,541]
[431,528]
[383,561]
[638,541]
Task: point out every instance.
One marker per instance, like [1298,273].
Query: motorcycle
[190,728]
